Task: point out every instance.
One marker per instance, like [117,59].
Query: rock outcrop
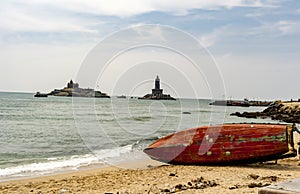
[157,93]
[283,111]
[73,89]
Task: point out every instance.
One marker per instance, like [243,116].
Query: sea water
[47,135]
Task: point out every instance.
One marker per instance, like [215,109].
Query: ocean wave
[113,153]
[51,166]
[142,118]
[56,164]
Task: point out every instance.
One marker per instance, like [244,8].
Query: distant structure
[71,84]
[245,103]
[39,94]
[157,93]
[73,89]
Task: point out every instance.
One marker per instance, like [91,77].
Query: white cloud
[133,7]
[282,27]
[288,27]
[26,22]
[20,18]
[210,39]
[63,15]
[255,14]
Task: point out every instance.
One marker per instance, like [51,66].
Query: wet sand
[159,178]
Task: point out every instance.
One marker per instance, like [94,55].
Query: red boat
[225,143]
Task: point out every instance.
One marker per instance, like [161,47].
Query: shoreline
[150,176]
[142,163]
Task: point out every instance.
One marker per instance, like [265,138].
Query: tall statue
[157,83]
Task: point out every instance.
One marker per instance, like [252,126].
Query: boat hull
[221,144]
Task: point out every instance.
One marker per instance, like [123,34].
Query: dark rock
[213,184]
[253,176]
[172,174]
[179,186]
[253,185]
[270,178]
[277,111]
[236,114]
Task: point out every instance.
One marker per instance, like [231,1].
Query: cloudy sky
[255,43]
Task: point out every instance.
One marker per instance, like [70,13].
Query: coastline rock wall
[283,111]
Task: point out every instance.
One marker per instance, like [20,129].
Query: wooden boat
[227,143]
[121,96]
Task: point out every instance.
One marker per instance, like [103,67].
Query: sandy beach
[152,177]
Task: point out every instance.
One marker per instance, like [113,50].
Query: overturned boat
[226,143]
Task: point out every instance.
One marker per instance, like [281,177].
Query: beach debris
[199,183]
[266,178]
[270,178]
[172,174]
[186,113]
[237,186]
[253,185]
[64,191]
[253,176]
[153,189]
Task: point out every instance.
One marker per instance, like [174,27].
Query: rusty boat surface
[226,143]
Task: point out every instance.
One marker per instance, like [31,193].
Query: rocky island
[157,93]
[283,111]
[244,103]
[73,90]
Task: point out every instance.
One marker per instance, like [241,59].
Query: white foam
[63,163]
[48,167]
[113,153]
